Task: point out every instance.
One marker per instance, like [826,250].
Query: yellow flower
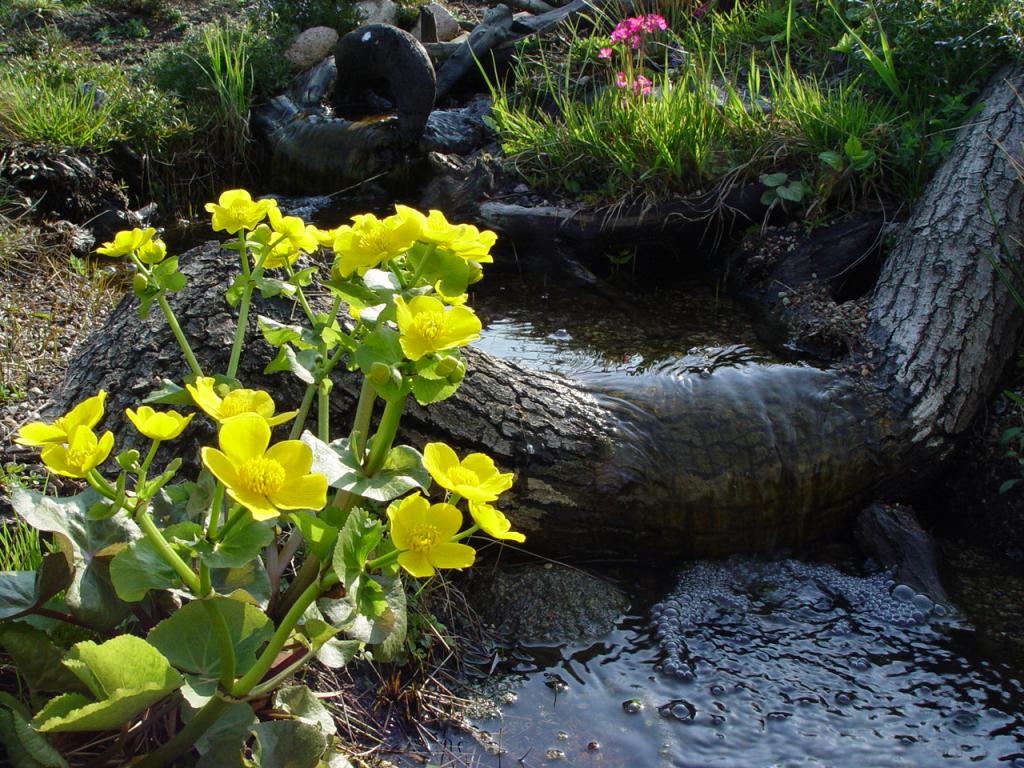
[291,236]
[493,522]
[463,240]
[421,531]
[126,242]
[236,210]
[158,425]
[474,478]
[426,326]
[455,301]
[153,252]
[86,414]
[84,452]
[235,402]
[371,241]
[264,480]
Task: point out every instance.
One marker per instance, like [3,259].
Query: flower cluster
[630,38]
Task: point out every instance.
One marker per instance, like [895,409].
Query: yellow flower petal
[86,414]
[294,455]
[37,433]
[494,523]
[449,555]
[416,563]
[235,210]
[304,492]
[220,465]
[157,425]
[244,437]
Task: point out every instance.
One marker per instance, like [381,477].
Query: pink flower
[653,22]
[604,53]
[620,79]
[642,86]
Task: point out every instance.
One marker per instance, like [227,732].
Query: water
[740,663]
[579,332]
[779,663]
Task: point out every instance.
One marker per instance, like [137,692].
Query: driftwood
[499,29]
[741,460]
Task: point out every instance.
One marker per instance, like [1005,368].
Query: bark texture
[944,322]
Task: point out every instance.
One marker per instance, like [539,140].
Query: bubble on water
[922,603]
[678,709]
[632,706]
[903,593]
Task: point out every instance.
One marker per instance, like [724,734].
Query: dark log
[891,535]
[742,460]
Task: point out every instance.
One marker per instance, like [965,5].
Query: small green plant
[62,115]
[780,188]
[1012,440]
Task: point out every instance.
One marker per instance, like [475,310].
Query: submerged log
[742,460]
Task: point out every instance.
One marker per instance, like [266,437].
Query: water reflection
[770,664]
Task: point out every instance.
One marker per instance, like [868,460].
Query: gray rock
[445,26]
[455,131]
[311,46]
[546,603]
[377,11]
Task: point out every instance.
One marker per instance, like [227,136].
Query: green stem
[243,307]
[184,739]
[179,335]
[227,650]
[385,436]
[300,417]
[237,514]
[99,484]
[361,422]
[147,461]
[309,571]
[263,664]
[187,575]
[267,687]
[213,525]
[323,410]
[427,257]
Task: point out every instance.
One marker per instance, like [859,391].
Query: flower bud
[140,283]
[379,374]
[458,374]
[446,365]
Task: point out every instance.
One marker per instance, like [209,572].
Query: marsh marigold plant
[293,540]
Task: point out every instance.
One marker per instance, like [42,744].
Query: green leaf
[1008,484]
[232,727]
[301,364]
[773,179]
[138,568]
[271,286]
[225,754]
[125,674]
[21,592]
[833,160]
[317,533]
[243,542]
[427,391]
[299,702]
[233,295]
[89,543]
[248,582]
[356,540]
[288,744]
[793,192]
[168,393]
[37,660]
[768,197]
[402,470]
[387,628]
[188,639]
[276,333]
[25,747]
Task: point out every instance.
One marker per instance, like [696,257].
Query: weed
[20,548]
[62,115]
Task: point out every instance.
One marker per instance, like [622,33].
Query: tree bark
[745,459]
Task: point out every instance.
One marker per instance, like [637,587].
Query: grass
[20,548]
[833,94]
[61,114]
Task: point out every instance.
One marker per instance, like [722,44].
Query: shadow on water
[740,662]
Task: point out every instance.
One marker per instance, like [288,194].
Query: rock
[452,131]
[546,603]
[445,26]
[377,11]
[311,46]
[891,535]
[382,60]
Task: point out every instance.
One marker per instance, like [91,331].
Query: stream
[737,662]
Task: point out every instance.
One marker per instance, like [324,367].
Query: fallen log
[746,459]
